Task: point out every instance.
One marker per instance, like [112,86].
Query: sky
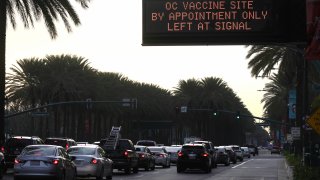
[110,37]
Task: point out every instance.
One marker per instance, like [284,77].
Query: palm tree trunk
[3,20]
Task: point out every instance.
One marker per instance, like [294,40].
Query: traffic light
[177,109]
[215,112]
[238,114]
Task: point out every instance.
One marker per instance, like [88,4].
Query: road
[262,167]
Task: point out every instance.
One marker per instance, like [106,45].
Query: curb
[289,170]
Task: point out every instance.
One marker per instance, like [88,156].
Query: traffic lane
[159,173]
[270,168]
[171,174]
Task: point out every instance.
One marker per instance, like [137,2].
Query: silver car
[91,161]
[162,158]
[44,161]
[173,151]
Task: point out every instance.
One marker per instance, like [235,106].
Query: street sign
[314,121]
[295,133]
[218,22]
[184,109]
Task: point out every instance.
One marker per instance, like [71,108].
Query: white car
[90,161]
[246,152]
[162,158]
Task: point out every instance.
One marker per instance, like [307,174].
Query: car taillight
[161,155]
[205,154]
[55,161]
[16,161]
[67,146]
[2,149]
[94,161]
[126,153]
[180,154]
[141,155]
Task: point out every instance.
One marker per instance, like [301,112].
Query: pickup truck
[124,156]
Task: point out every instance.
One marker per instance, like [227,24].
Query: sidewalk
[285,171]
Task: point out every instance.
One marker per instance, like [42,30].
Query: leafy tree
[31,11]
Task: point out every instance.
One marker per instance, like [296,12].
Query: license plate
[35,163]
[192,156]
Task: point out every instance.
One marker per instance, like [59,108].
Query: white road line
[242,163]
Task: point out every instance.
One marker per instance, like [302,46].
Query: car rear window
[146,143]
[58,142]
[19,142]
[39,151]
[81,151]
[193,148]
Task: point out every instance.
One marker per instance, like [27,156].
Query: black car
[124,156]
[223,156]
[146,159]
[64,142]
[14,146]
[2,165]
[194,156]
[210,147]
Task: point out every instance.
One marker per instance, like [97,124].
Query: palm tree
[31,11]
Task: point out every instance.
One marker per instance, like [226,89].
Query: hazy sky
[110,38]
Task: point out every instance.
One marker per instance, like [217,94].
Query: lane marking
[242,163]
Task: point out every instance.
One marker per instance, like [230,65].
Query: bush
[301,172]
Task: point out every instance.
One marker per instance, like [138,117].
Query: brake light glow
[67,146]
[142,155]
[205,155]
[2,149]
[55,162]
[161,155]
[16,161]
[126,153]
[180,154]
[94,161]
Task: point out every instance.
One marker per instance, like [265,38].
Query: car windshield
[57,142]
[192,148]
[19,142]
[173,149]
[155,149]
[140,149]
[81,151]
[39,151]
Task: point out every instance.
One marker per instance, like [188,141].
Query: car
[210,147]
[14,145]
[91,161]
[162,158]
[2,165]
[232,154]
[146,159]
[223,156]
[124,156]
[238,151]
[44,161]
[194,156]
[61,141]
[246,152]
[173,152]
[252,149]
[275,150]
[146,143]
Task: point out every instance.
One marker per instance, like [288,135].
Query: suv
[210,147]
[14,145]
[194,156]
[64,142]
[124,156]
[146,143]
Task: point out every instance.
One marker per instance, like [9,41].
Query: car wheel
[153,167]
[135,169]
[127,170]
[109,176]
[147,167]
[179,169]
[100,177]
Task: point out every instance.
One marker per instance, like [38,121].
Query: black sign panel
[223,22]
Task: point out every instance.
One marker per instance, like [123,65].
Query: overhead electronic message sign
[192,22]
